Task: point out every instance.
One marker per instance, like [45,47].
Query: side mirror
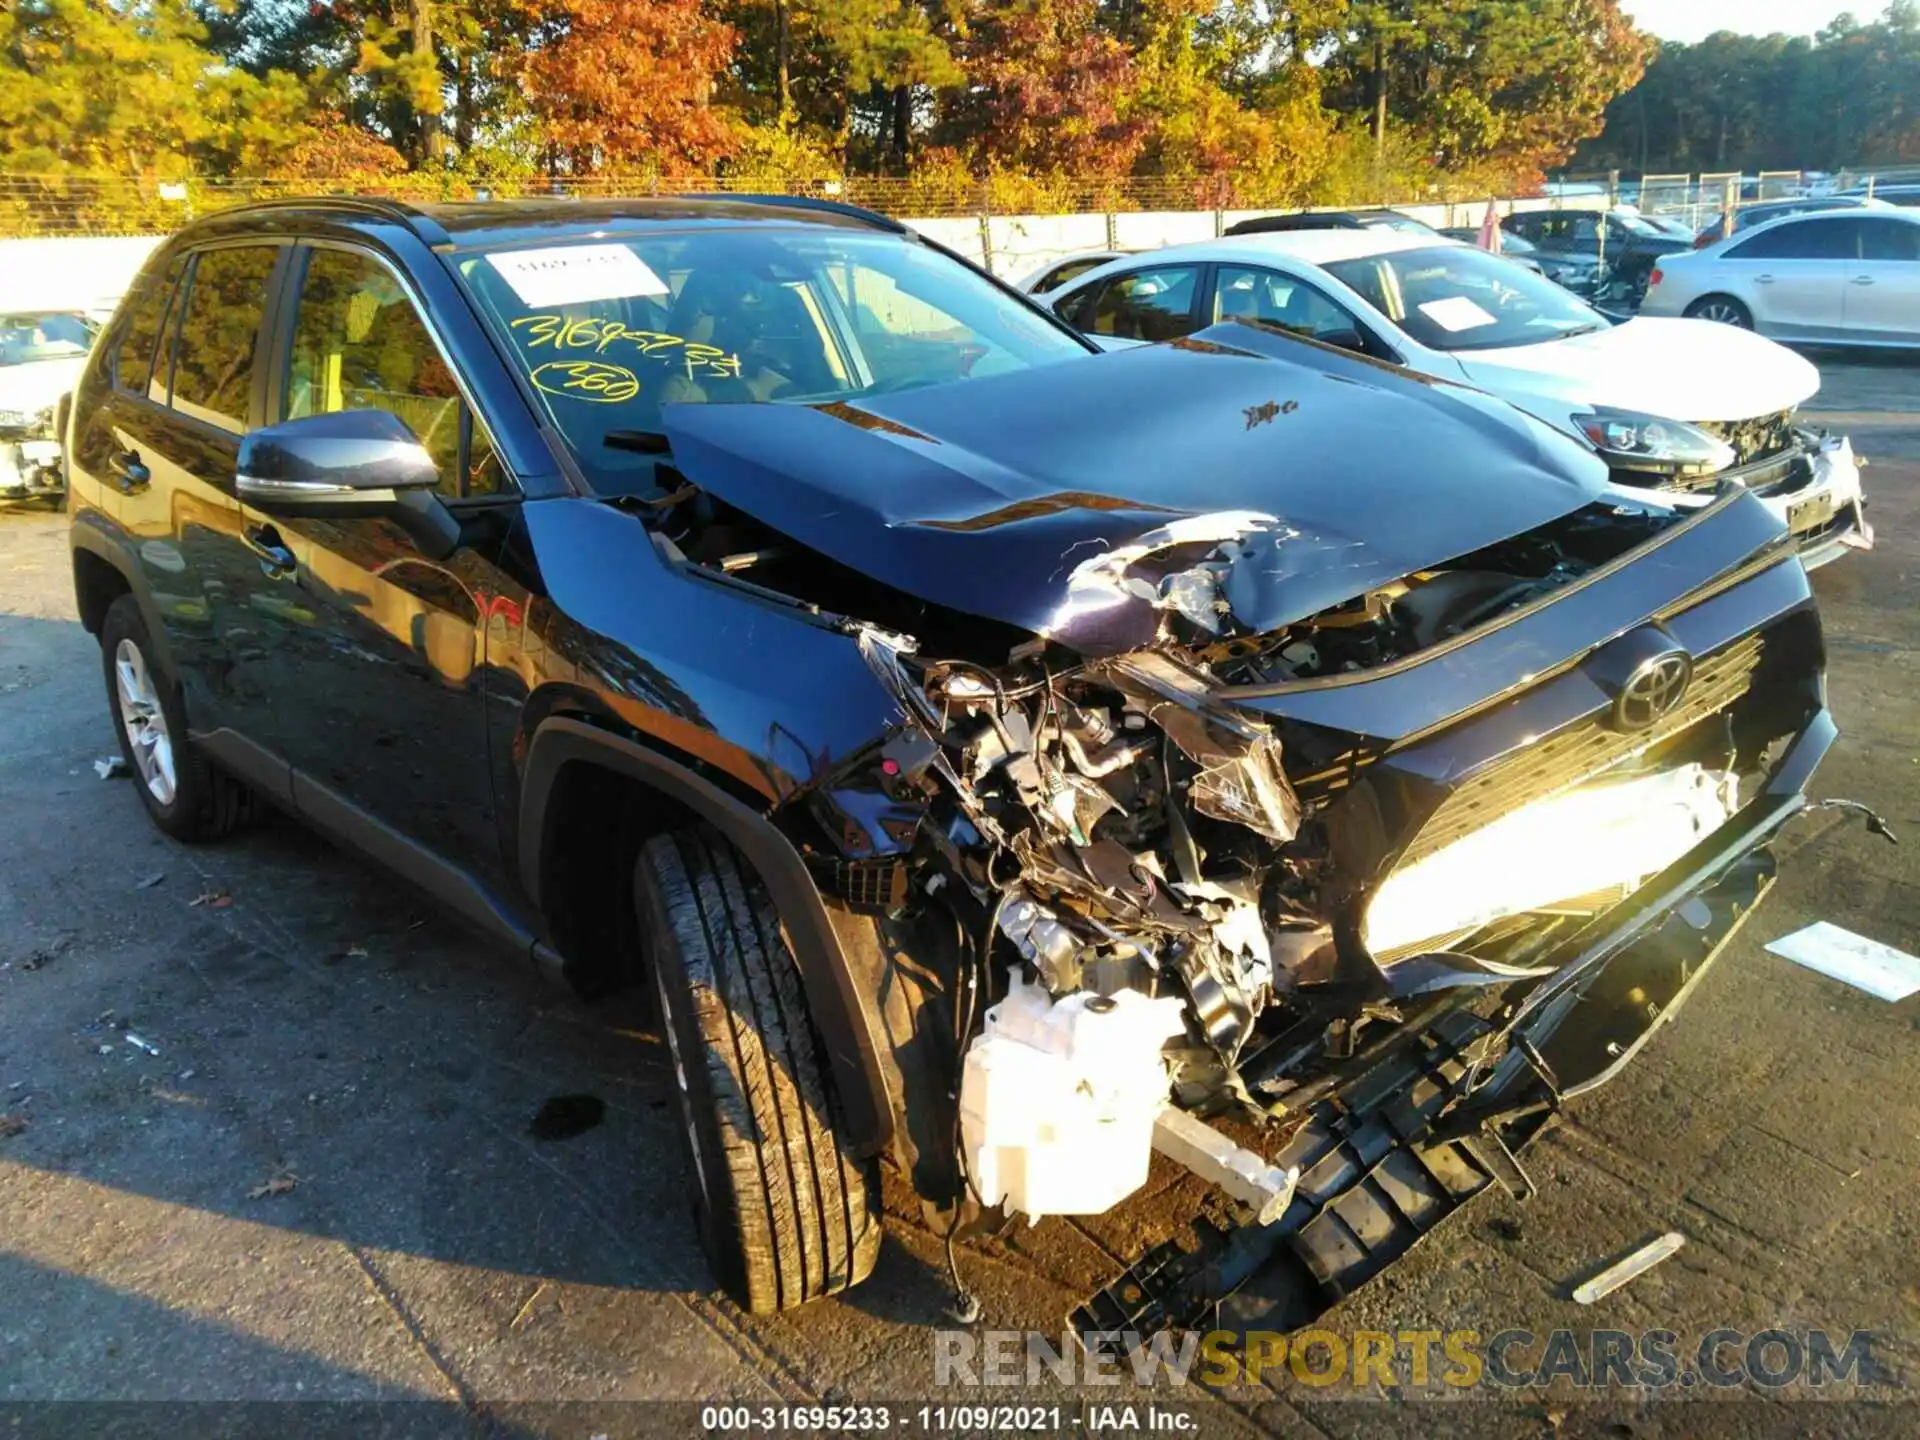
[352,462]
[1344,340]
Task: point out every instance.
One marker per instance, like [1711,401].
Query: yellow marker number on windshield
[560,332]
[587,380]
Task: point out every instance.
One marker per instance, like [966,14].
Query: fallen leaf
[11,1125]
[151,880]
[218,899]
[278,1185]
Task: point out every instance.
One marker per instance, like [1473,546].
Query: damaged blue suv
[1001,760]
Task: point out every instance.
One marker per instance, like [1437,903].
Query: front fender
[846,1017]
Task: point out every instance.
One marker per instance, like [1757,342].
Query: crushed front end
[1394,882]
[1327,844]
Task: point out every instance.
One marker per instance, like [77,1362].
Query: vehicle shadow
[316,1022]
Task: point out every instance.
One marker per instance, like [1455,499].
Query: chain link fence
[52,206]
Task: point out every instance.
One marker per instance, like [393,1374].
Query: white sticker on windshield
[572,274]
[1457,313]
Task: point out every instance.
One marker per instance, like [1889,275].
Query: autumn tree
[1043,90]
[629,85]
[131,87]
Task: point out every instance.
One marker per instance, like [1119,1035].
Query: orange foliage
[628,84]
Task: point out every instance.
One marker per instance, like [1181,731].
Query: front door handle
[130,474]
[276,560]
[1863,280]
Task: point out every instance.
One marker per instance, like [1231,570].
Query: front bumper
[1814,489]
[1411,1135]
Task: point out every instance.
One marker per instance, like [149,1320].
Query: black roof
[491,222]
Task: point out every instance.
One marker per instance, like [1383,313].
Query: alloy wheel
[144,721]
[1722,312]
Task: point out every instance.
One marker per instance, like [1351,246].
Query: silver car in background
[1844,277]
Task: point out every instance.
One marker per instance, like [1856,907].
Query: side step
[1372,1183]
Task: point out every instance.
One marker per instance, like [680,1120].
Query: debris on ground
[280,1184]
[11,1125]
[1868,965]
[139,1044]
[217,899]
[1630,1268]
[110,767]
[565,1116]
[151,880]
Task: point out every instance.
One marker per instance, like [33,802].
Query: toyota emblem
[1654,691]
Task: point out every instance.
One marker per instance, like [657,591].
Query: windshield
[1398,224]
[26,338]
[1633,224]
[611,331]
[1459,298]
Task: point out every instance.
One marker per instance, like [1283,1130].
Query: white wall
[71,274]
[93,272]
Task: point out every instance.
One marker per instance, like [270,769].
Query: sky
[1696,19]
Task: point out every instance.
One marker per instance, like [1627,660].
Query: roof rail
[807,202]
[415,219]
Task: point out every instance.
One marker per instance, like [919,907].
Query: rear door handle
[1763,279]
[129,474]
[1863,280]
[276,560]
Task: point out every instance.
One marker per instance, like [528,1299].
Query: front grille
[1580,752]
[1753,440]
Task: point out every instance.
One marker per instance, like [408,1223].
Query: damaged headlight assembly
[1631,440]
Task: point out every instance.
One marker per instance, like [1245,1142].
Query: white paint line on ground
[1862,963]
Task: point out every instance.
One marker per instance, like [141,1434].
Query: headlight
[1648,442]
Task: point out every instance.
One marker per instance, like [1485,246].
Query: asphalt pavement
[316,1178]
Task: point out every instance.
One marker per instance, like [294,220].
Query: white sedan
[1673,405]
[1842,277]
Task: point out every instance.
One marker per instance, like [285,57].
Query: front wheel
[785,1216]
[1722,310]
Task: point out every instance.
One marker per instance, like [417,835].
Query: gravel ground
[321,1028]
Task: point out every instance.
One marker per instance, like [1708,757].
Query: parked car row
[999,752]
[1672,405]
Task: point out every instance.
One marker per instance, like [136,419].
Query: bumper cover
[1409,1137]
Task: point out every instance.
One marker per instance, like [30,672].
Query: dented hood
[1024,498]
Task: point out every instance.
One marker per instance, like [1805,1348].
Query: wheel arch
[102,573]
[565,752]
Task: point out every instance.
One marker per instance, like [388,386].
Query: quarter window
[1142,305]
[213,353]
[133,361]
[359,344]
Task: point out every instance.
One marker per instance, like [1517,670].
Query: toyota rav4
[1006,764]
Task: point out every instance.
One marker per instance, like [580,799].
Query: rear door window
[1882,239]
[219,333]
[1809,239]
[133,358]
[1152,304]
